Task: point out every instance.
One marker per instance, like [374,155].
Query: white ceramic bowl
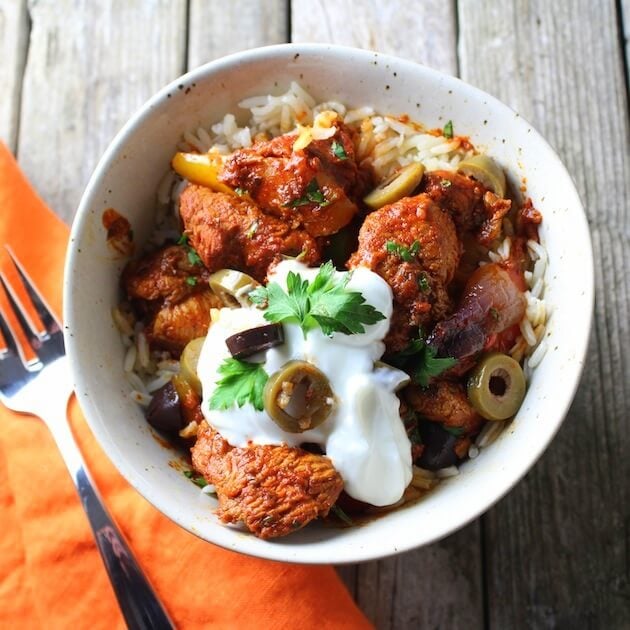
[127,178]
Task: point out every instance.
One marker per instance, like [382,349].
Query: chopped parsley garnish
[447,132]
[494,314]
[446,183]
[414,436]
[198,480]
[241,382]
[240,191]
[191,281]
[312,194]
[419,360]
[193,256]
[341,515]
[456,431]
[338,150]
[406,254]
[251,230]
[423,283]
[325,302]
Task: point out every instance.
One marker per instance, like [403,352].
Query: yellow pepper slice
[200,168]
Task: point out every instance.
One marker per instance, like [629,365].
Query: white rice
[385,142]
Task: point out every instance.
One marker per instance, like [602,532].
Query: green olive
[396,186]
[232,287]
[298,397]
[188,363]
[486,171]
[496,387]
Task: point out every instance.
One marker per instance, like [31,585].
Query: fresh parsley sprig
[242,382]
[447,132]
[420,361]
[406,254]
[325,302]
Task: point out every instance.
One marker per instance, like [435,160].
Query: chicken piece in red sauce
[273,490]
[232,232]
[473,207]
[413,245]
[169,290]
[316,187]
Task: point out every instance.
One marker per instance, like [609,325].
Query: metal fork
[35,380]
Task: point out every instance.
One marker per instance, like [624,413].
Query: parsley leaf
[423,283]
[240,191]
[191,281]
[312,194]
[456,431]
[241,383]
[419,359]
[325,302]
[407,254]
[447,132]
[251,230]
[198,480]
[193,257]
[341,515]
[339,151]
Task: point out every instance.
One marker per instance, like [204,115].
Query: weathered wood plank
[90,66]
[434,587]
[420,31]
[624,17]
[236,25]
[557,546]
[439,586]
[13,45]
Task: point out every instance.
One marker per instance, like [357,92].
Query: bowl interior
[127,179]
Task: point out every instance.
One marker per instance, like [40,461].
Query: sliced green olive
[188,363]
[396,186]
[298,397]
[233,287]
[496,387]
[486,171]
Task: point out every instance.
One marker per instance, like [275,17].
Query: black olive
[248,342]
[164,411]
[438,446]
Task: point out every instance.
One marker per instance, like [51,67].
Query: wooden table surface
[555,553]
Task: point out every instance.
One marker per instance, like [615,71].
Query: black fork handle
[138,602]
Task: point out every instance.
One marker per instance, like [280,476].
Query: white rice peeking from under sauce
[385,142]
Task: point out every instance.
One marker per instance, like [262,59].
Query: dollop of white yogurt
[364,435]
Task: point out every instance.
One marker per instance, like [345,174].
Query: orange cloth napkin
[51,574]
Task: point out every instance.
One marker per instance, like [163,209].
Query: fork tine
[16,287]
[10,316]
[44,311]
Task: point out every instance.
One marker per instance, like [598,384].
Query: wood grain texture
[557,546]
[421,31]
[90,66]
[217,29]
[13,45]
[624,18]
[439,586]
